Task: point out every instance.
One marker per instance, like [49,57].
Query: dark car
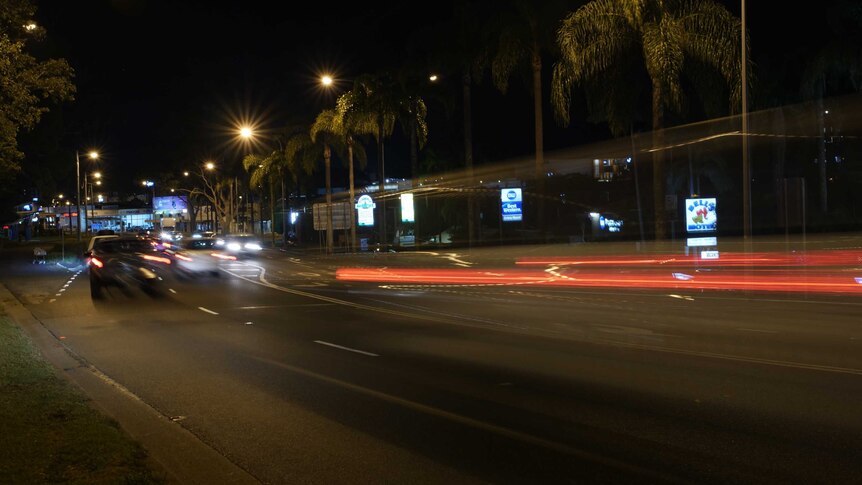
[126,262]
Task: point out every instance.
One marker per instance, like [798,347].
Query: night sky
[161,85]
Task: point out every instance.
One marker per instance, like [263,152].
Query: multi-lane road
[298,376]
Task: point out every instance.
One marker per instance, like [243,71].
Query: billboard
[700,215]
[170,204]
[511,205]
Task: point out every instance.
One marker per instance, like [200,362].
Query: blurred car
[194,257]
[203,234]
[95,239]
[125,262]
[240,244]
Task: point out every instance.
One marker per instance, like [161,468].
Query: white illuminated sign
[709,255]
[407,208]
[701,241]
[511,205]
[700,215]
[365,207]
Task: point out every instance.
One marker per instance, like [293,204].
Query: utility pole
[746,169]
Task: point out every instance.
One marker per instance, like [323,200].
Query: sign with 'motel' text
[700,215]
[511,205]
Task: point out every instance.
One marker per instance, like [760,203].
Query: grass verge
[48,431]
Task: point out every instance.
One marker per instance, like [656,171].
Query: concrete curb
[174,452]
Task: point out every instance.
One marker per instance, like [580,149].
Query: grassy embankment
[48,431]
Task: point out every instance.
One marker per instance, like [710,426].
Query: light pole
[151,184]
[746,169]
[91,197]
[327,81]
[93,156]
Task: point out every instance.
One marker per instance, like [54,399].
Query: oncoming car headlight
[253,246]
[234,246]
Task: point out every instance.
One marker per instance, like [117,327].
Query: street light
[151,184]
[93,156]
[91,196]
[327,81]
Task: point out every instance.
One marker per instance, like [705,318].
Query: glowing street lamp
[94,155]
[246,132]
[152,185]
[326,80]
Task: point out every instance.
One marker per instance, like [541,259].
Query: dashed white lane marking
[756,330]
[52,300]
[321,342]
[172,290]
[206,310]
[249,323]
[58,294]
[62,290]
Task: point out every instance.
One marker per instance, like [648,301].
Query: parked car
[125,262]
[197,256]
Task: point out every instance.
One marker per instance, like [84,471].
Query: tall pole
[78,187]
[283,215]
[746,169]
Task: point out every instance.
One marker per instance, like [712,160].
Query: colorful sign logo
[511,205]
[700,215]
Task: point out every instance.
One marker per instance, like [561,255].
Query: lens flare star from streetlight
[245,132]
[94,155]
[326,80]
[210,166]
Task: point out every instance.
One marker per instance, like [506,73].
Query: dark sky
[162,84]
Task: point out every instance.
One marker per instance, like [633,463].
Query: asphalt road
[296,376]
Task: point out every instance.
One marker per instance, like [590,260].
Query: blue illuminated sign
[511,205]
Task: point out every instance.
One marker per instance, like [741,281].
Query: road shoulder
[173,450]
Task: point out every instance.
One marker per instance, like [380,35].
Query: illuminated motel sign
[511,205]
[700,215]
[365,208]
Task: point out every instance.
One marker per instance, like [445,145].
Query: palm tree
[668,37]
[335,126]
[466,51]
[293,159]
[526,32]
[376,96]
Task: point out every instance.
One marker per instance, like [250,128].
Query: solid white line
[321,342]
[205,310]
